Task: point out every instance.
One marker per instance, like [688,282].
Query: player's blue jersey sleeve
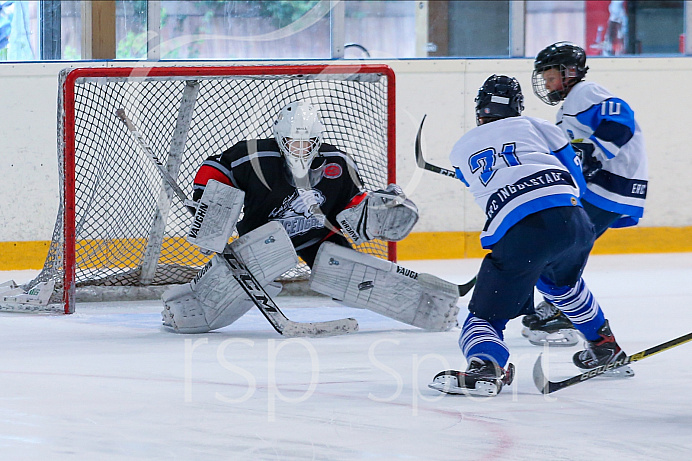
[460,176]
[612,122]
[571,161]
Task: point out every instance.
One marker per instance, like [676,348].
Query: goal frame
[67,135]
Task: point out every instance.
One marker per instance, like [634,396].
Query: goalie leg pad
[362,280]
[184,313]
[217,213]
[209,303]
[266,251]
[214,299]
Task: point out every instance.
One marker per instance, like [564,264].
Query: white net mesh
[126,229]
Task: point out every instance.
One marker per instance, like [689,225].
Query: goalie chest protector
[259,170]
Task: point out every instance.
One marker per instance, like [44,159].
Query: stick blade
[419,153]
[465,288]
[539,378]
[320,329]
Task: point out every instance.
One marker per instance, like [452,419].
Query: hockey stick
[242,275]
[421,161]
[547,387]
[465,288]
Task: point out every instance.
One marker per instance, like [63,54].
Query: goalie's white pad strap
[214,299]
[361,280]
[385,214]
[217,213]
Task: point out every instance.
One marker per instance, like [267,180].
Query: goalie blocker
[362,280]
[216,215]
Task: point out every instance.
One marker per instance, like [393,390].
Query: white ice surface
[108,383]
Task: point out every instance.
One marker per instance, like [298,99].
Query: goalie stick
[242,275]
[547,387]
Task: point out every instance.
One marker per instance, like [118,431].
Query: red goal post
[118,228]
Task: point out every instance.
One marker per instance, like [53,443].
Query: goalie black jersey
[258,168]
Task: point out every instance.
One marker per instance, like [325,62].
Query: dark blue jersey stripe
[619,185]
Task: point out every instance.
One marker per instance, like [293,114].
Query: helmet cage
[566,57]
[569,75]
[298,132]
[299,153]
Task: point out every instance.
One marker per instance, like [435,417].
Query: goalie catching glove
[384,214]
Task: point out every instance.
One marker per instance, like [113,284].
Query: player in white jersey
[527,178]
[603,129]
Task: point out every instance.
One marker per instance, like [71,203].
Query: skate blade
[560,338]
[450,385]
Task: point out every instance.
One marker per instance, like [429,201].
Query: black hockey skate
[602,352]
[481,378]
[549,325]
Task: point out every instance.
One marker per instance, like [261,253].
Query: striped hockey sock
[483,339]
[578,304]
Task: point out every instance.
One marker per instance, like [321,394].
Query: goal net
[119,229]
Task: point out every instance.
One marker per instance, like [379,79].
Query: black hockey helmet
[566,57]
[499,97]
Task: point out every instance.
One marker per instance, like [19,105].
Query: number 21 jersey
[514,167]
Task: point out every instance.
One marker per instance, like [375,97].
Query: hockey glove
[385,214]
[590,165]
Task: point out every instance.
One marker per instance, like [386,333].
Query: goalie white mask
[298,131]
